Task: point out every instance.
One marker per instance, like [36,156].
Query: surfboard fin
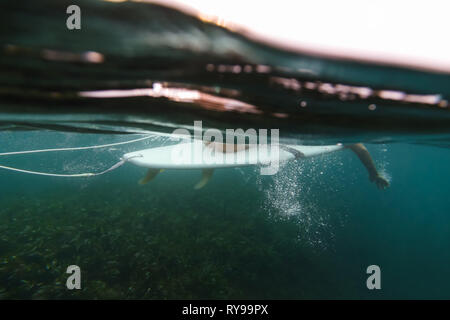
[151,174]
[206,176]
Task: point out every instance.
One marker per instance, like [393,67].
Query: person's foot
[381,182]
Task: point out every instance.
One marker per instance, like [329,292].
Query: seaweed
[142,245]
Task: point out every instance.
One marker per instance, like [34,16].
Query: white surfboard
[197,155]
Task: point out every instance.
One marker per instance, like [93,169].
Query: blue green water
[308,232]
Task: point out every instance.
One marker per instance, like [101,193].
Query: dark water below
[308,232]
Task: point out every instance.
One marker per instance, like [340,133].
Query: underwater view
[357,205]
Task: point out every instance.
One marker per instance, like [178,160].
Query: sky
[413,33]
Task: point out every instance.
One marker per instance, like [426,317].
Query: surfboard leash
[75,175]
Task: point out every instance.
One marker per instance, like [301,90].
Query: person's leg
[363,154]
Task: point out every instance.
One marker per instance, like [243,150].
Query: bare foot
[381,182]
